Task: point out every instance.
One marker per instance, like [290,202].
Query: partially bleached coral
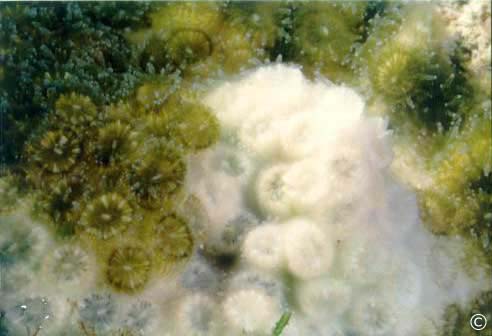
[226,207]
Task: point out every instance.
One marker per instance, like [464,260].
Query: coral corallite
[56,152]
[107,216]
[129,268]
[114,143]
[173,238]
[157,176]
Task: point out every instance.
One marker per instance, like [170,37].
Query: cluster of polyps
[330,220]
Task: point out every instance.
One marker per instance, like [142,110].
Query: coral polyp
[22,241]
[68,263]
[271,191]
[390,75]
[77,111]
[129,268]
[114,142]
[107,216]
[63,203]
[197,316]
[158,175]
[97,311]
[263,247]
[373,316]
[173,238]
[196,127]
[56,152]
[251,311]
[188,46]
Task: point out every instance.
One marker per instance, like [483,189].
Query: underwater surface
[245,168]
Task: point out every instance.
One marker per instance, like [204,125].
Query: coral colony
[245,168]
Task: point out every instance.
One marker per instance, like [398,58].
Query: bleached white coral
[372,315]
[322,169]
[308,250]
[324,298]
[251,311]
[263,247]
[286,190]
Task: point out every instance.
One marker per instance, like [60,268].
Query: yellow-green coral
[195,127]
[452,204]
[107,216]
[158,174]
[173,238]
[56,151]
[324,35]
[77,111]
[188,46]
[113,144]
[63,203]
[129,268]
